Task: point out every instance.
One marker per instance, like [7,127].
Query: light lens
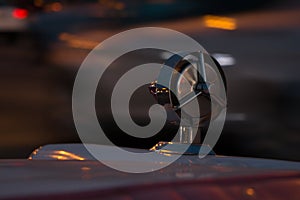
[20,13]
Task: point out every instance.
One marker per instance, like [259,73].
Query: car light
[20,13]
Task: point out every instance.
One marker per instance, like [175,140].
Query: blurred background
[43,43]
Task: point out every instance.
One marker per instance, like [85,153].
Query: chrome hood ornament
[195,76]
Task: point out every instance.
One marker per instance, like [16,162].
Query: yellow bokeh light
[218,22]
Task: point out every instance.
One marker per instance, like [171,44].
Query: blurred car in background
[14,20]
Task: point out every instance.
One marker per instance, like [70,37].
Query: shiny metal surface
[169,148]
[44,175]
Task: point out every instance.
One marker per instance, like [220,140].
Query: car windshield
[256,44]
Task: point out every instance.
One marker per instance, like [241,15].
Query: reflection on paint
[64,155]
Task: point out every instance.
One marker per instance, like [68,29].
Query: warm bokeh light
[250,191]
[218,22]
[75,42]
[38,3]
[56,7]
[112,4]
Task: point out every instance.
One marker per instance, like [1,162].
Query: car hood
[44,178]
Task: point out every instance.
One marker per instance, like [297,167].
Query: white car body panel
[43,175]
